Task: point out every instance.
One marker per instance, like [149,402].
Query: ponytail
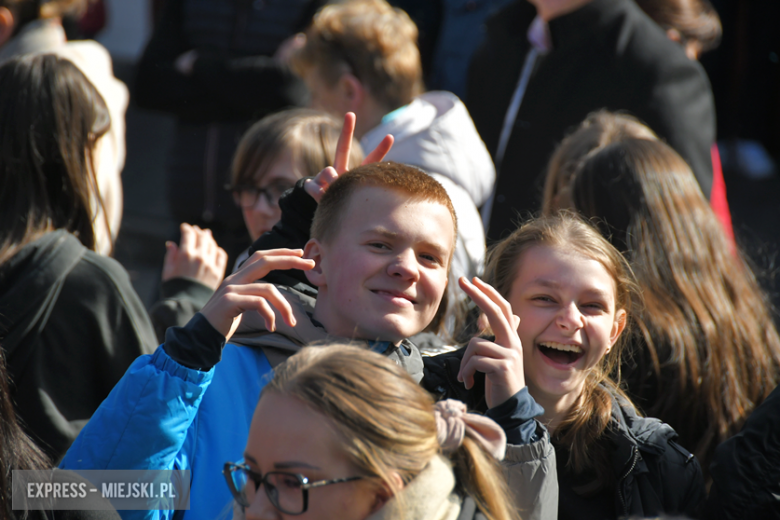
[480,476]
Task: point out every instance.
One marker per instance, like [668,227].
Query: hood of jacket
[435,133]
[287,340]
[30,283]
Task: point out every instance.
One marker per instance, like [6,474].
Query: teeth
[562,346]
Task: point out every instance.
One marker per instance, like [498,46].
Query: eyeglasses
[288,492]
[247,196]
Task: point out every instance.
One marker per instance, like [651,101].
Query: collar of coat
[431,495]
[286,340]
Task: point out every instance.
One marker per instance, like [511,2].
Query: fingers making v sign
[501,360]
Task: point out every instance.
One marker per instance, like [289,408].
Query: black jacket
[70,325]
[746,468]
[655,474]
[607,54]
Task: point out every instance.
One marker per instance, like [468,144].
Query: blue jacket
[160,416]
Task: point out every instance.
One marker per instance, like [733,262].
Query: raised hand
[317,186]
[197,257]
[500,360]
[240,292]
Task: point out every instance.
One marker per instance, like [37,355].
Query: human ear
[313,250]
[352,91]
[7,25]
[385,493]
[621,319]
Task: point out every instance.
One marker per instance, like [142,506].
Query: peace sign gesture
[317,186]
[500,360]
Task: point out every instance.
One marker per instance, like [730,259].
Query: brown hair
[309,135]
[386,421]
[387,175]
[50,118]
[599,129]
[695,20]
[370,39]
[591,414]
[709,340]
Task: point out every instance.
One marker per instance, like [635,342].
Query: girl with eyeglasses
[353,437]
[274,153]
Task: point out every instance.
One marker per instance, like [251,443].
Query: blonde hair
[592,412]
[370,39]
[596,131]
[309,135]
[386,421]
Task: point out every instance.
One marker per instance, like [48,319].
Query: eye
[433,259]
[543,298]
[379,245]
[595,306]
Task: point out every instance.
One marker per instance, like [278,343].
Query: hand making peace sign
[501,360]
[317,186]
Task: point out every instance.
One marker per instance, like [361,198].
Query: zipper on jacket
[634,462]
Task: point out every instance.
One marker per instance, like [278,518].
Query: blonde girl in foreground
[354,437]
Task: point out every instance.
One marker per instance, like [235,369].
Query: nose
[261,508]
[570,319]
[405,266]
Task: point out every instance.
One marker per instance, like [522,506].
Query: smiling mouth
[561,353]
[397,298]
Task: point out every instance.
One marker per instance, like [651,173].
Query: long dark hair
[17,450]
[708,351]
[50,119]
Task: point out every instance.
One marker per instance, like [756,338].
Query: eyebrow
[293,464]
[438,248]
[552,284]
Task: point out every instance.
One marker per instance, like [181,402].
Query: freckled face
[566,303]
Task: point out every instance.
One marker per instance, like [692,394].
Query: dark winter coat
[746,468]
[654,474]
[70,325]
[607,54]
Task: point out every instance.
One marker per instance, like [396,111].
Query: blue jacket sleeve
[143,422]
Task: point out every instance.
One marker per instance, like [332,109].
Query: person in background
[274,154]
[746,468]
[217,66]
[598,130]
[385,451]
[34,26]
[361,56]
[546,64]
[70,321]
[694,24]
[707,352]
[271,157]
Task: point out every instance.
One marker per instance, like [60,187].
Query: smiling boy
[382,240]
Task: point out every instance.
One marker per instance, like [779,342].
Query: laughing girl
[573,293]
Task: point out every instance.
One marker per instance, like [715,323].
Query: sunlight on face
[566,303]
